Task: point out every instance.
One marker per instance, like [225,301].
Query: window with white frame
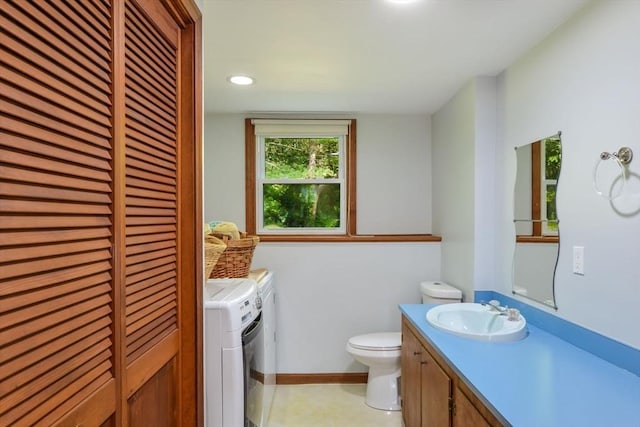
[301,179]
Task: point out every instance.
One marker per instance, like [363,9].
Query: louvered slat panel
[30,378]
[35,147]
[150,245]
[133,134]
[59,391]
[42,119]
[146,310]
[158,202]
[94,11]
[55,236]
[141,284]
[147,154]
[151,117]
[144,180]
[31,313]
[52,249]
[86,387]
[37,177]
[58,105]
[56,337]
[142,231]
[151,150]
[21,347]
[32,34]
[134,338]
[37,192]
[151,96]
[150,132]
[67,36]
[150,212]
[141,25]
[54,263]
[159,286]
[142,194]
[95,31]
[147,341]
[138,46]
[53,221]
[34,66]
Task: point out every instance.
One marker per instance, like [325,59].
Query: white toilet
[439,293]
[381,353]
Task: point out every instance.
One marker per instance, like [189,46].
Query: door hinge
[452,406]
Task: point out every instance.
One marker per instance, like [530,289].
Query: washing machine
[233,353]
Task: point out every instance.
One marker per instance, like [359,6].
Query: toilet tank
[439,293]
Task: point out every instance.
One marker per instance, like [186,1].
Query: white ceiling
[363,56]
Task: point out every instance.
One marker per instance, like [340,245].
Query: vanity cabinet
[432,393]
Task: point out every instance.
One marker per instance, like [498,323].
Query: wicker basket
[235,261]
[213,248]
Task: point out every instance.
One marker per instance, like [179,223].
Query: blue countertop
[540,381]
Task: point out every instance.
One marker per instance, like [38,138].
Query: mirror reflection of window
[536,191]
[536,219]
[551,160]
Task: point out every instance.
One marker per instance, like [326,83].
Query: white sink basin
[476,321]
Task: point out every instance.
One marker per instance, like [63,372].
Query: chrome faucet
[495,306]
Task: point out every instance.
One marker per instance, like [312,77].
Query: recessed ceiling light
[241,80]
[402,1]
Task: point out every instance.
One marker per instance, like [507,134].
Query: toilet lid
[377,341]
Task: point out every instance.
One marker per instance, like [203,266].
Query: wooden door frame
[190,240]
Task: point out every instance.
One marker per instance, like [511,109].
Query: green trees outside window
[552,163]
[301,187]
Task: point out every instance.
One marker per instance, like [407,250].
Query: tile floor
[327,405]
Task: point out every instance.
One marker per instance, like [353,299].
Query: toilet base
[383,389]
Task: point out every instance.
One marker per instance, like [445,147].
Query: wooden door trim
[190,242]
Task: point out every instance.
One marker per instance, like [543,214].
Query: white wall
[329,292]
[394,183]
[585,81]
[484,266]
[464,135]
[453,172]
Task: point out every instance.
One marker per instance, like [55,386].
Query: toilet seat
[382,341]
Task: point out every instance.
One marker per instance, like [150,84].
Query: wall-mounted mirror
[536,219]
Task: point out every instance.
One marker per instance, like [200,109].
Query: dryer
[267,293]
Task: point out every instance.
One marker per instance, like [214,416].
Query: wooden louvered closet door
[100,219]
[151,293]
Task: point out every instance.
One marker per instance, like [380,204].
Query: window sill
[537,239]
[350,238]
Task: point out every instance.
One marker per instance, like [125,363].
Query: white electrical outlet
[578,260]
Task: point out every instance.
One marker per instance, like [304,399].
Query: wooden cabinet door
[56,223]
[100,213]
[150,274]
[464,413]
[155,145]
[411,356]
[436,393]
